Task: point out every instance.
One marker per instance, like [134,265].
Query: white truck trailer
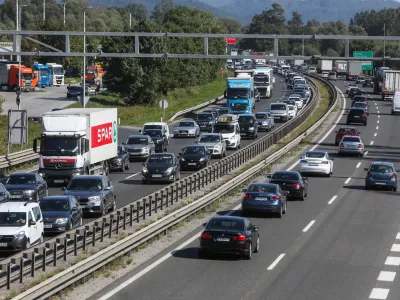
[324,65]
[77,141]
[354,69]
[390,84]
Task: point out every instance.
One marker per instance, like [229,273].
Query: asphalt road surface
[341,243]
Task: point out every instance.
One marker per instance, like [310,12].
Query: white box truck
[77,141]
[341,67]
[324,65]
[390,84]
[354,69]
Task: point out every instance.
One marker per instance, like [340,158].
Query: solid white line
[392,261]
[375,134]
[398,236]
[347,180]
[377,121]
[377,127]
[333,199]
[395,248]
[276,261]
[386,276]
[358,165]
[132,175]
[371,142]
[379,294]
[366,152]
[309,226]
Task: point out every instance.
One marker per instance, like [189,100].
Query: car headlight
[169,170]
[182,159]
[218,147]
[265,123]
[94,198]
[20,235]
[145,149]
[251,128]
[232,138]
[29,192]
[145,170]
[61,221]
[202,159]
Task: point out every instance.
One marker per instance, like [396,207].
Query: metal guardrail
[17,158]
[25,263]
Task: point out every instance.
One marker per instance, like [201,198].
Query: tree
[138,11]
[231,26]
[161,12]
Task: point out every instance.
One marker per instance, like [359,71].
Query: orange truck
[9,77]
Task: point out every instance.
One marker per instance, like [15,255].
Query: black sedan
[121,162]
[60,213]
[26,186]
[291,182]
[161,167]
[230,235]
[354,92]
[264,197]
[160,141]
[194,157]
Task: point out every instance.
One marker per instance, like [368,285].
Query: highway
[340,243]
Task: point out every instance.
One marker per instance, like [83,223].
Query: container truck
[378,79]
[240,94]
[390,84]
[42,75]
[9,74]
[56,74]
[341,67]
[76,141]
[354,69]
[324,65]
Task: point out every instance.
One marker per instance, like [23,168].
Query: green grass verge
[68,80]
[178,100]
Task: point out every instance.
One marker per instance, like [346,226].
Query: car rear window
[285,176]
[315,154]
[278,107]
[261,188]
[360,104]
[226,224]
[261,116]
[351,139]
[381,169]
[347,130]
[356,111]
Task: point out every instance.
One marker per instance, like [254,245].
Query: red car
[345,131]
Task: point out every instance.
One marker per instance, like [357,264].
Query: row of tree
[140,80]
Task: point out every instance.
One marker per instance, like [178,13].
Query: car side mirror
[204,224]
[123,143]
[225,94]
[301,157]
[305,178]
[74,208]
[255,227]
[142,164]
[31,223]
[269,176]
[140,131]
[366,169]
[332,159]
[63,188]
[244,190]
[180,154]
[107,188]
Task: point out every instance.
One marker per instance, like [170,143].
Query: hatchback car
[214,143]
[186,128]
[292,182]
[162,167]
[360,79]
[316,162]
[264,197]
[265,121]
[194,157]
[325,74]
[354,91]
[279,111]
[206,121]
[350,131]
[139,146]
[229,235]
[363,105]
[332,75]
[359,98]
[381,175]
[349,86]
[357,115]
[368,82]
[248,126]
[351,145]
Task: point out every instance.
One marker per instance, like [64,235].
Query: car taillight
[276,197]
[240,238]
[246,196]
[296,185]
[364,115]
[303,161]
[206,236]
[325,162]
[341,145]
[394,176]
[359,146]
[369,175]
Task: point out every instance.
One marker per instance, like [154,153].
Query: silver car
[186,128]
[139,146]
[214,144]
[279,111]
[265,121]
[351,145]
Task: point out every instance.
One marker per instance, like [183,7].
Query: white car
[312,70]
[292,111]
[349,86]
[298,100]
[316,162]
[325,74]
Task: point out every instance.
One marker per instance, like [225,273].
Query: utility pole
[18,48]
[65,2]
[44,10]
[384,43]
[302,52]
[130,21]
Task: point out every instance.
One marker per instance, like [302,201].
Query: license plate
[203,126]
[47,226]
[356,117]
[184,132]
[192,164]
[3,245]
[313,164]
[157,176]
[222,239]
[380,183]
[15,196]
[261,199]
[243,133]
[350,146]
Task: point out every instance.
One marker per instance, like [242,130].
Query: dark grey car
[121,162]
[94,193]
[26,186]
[265,121]
[139,146]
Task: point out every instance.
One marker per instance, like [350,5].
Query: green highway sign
[367,65]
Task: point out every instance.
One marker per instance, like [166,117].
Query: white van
[228,127]
[157,125]
[396,103]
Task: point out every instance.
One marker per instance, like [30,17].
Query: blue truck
[240,94]
[42,74]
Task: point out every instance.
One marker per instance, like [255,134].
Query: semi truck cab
[240,94]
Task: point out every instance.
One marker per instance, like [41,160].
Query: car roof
[233,218]
[89,177]
[264,184]
[22,174]
[287,172]
[320,152]
[347,127]
[381,163]
[211,133]
[155,123]
[139,135]
[17,206]
[50,198]
[161,154]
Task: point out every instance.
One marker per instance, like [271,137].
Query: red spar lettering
[101,135]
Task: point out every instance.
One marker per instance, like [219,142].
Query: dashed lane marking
[358,165]
[332,199]
[392,261]
[347,180]
[309,226]
[386,276]
[379,294]
[133,175]
[276,261]
[372,142]
[375,134]
[395,248]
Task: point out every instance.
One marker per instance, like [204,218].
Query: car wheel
[224,155]
[102,209]
[122,167]
[27,245]
[257,245]
[280,213]
[127,166]
[303,196]
[284,211]
[395,189]
[70,226]
[41,240]
[114,206]
[248,255]
[80,221]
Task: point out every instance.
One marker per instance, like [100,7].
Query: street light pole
[17,25]
[20,58]
[384,43]
[84,57]
[44,10]
[130,20]
[65,2]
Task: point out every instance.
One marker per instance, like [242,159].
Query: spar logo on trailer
[104,134]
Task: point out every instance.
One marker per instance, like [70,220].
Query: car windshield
[85,185]
[291,102]
[290,107]
[285,176]
[210,139]
[225,224]
[75,88]
[204,117]
[381,169]
[153,133]
[277,107]
[21,179]
[194,150]
[246,119]
[224,128]
[145,127]
[137,141]
[14,219]
[261,116]
[186,124]
[160,159]
[54,205]
[261,188]
[347,130]
[351,139]
[315,154]
[238,94]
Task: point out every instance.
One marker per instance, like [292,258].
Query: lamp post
[84,57]
[44,10]
[384,43]
[19,61]
[64,3]
[130,20]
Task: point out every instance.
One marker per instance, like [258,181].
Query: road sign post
[164,105]
[18,92]
[367,65]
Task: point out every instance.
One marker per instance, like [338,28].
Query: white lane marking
[332,199]
[395,248]
[372,142]
[358,165]
[379,116]
[377,127]
[347,180]
[375,134]
[327,134]
[386,276]
[276,261]
[398,236]
[379,294]
[377,111]
[377,121]
[392,261]
[366,152]
[132,175]
[157,262]
[309,226]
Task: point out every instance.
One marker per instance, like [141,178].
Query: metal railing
[25,263]
[17,158]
